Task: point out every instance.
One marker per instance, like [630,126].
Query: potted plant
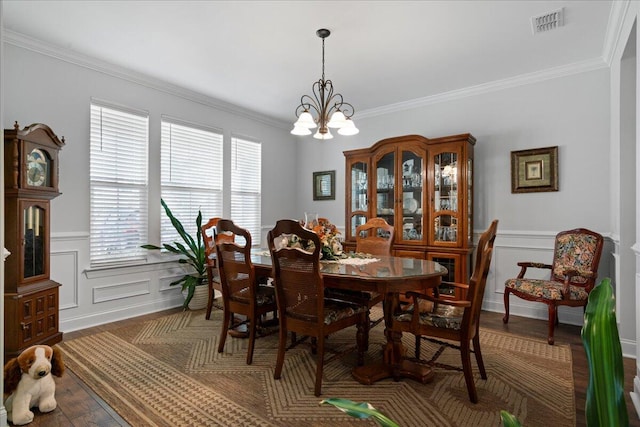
[193,252]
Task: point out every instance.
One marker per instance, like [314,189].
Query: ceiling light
[329,109]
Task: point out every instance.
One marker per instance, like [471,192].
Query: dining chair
[241,293]
[375,237]
[210,238]
[573,275]
[302,306]
[447,322]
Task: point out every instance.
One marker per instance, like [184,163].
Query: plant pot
[200,297]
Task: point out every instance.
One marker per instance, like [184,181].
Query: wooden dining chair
[241,293]
[375,237]
[573,275]
[210,237]
[447,322]
[302,306]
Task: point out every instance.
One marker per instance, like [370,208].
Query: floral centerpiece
[328,234]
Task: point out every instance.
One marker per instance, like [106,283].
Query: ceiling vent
[548,21]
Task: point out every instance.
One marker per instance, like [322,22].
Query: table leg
[393,351]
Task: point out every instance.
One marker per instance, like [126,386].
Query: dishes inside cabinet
[409,204]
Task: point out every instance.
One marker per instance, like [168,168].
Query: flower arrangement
[328,234]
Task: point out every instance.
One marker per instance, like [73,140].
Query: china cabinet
[31,181]
[424,188]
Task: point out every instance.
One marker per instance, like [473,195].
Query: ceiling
[264,55]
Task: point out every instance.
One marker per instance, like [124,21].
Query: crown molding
[612,39]
[44,48]
[521,80]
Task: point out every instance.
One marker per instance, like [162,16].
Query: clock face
[37,168]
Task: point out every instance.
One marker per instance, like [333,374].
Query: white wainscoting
[94,297]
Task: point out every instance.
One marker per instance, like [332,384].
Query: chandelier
[330,109]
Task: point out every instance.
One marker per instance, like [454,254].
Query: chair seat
[333,311]
[264,295]
[546,289]
[445,316]
[359,297]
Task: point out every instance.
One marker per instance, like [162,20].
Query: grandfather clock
[31,181]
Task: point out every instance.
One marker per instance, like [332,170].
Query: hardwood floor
[79,406]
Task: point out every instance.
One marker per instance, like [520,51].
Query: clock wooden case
[31,182]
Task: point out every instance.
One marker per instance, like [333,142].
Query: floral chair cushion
[577,252]
[440,316]
[545,289]
[264,295]
[334,311]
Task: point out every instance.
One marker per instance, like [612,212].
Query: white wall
[42,88]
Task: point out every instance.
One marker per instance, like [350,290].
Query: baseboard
[635,395]
[123,313]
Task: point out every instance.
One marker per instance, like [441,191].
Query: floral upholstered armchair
[572,275]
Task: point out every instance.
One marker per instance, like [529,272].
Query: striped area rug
[167,372]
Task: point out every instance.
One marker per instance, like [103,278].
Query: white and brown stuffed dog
[29,382]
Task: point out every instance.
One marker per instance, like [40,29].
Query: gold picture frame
[534,170]
[324,185]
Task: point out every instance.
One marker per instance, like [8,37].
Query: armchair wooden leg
[552,322]
[226,320]
[468,373]
[507,291]
[209,302]
[476,350]
[282,346]
[320,365]
[252,338]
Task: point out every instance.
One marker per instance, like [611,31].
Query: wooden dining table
[390,276]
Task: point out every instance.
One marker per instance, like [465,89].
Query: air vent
[548,21]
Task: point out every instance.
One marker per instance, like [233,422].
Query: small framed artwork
[534,170]
[324,185]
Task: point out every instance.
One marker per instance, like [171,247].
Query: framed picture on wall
[534,170]
[324,185]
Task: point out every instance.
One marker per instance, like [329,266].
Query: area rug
[167,372]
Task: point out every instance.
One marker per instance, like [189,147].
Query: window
[118,184]
[246,186]
[192,163]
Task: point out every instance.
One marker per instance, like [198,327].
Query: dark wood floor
[79,406]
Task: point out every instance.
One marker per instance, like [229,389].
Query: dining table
[388,275]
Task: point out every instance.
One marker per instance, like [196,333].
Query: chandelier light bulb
[326,135]
[306,120]
[349,128]
[300,130]
[338,120]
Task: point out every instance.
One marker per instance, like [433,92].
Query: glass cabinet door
[359,175]
[445,200]
[412,196]
[385,187]
[359,181]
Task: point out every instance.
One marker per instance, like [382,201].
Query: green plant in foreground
[361,410]
[193,252]
[509,420]
[605,404]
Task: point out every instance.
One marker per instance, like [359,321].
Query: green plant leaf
[605,404]
[192,250]
[509,420]
[361,410]
[150,247]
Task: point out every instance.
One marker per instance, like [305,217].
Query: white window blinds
[191,174]
[246,186]
[118,184]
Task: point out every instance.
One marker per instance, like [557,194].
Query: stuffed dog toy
[29,382]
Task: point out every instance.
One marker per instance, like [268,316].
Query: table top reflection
[382,268]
